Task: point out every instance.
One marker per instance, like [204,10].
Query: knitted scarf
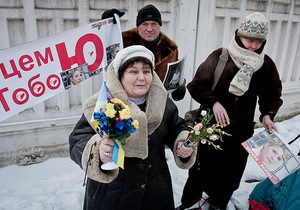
[248,62]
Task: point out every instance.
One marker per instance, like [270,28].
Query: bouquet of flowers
[112,118]
[115,120]
[205,133]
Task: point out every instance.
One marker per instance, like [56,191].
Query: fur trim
[93,163]
[184,165]
[137,144]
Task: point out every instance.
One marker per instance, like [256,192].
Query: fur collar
[137,144]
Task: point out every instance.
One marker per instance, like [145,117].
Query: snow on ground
[58,183]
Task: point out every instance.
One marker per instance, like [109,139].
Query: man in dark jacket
[148,33]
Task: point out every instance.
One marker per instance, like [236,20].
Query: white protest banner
[35,71]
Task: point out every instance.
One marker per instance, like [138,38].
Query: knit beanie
[254,25]
[110,13]
[131,52]
[148,12]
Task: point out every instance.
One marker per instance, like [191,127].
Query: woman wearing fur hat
[249,76]
[148,34]
[145,182]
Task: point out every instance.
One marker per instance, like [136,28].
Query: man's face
[149,30]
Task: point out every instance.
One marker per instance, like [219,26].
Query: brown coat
[265,86]
[165,52]
[220,171]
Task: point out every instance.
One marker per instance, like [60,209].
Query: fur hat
[131,52]
[148,12]
[254,25]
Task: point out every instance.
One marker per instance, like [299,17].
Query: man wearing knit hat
[250,77]
[147,33]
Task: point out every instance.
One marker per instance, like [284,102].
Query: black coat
[143,184]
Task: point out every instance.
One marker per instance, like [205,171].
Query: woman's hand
[106,149]
[268,124]
[183,151]
[221,115]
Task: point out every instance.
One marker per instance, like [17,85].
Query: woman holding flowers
[249,76]
[145,182]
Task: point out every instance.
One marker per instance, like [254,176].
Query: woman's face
[271,154]
[251,44]
[137,79]
[76,78]
[115,51]
[149,30]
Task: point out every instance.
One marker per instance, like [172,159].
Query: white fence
[198,27]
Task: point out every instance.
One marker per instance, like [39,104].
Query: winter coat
[220,171]
[165,51]
[145,182]
[283,195]
[265,85]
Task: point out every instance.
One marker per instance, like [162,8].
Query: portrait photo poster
[273,154]
[175,74]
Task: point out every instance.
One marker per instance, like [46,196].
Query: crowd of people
[135,76]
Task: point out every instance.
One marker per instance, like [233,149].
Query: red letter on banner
[24,60]
[66,62]
[14,68]
[39,58]
[2,99]
[98,47]
[20,96]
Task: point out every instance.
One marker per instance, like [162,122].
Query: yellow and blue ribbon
[118,155]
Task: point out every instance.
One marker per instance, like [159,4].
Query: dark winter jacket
[145,182]
[220,171]
[265,86]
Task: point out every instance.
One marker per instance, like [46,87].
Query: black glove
[110,13]
[179,93]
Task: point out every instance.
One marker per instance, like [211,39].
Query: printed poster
[272,154]
[174,75]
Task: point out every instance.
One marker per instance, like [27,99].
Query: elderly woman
[145,182]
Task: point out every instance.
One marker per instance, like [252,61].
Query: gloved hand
[179,93]
[110,13]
